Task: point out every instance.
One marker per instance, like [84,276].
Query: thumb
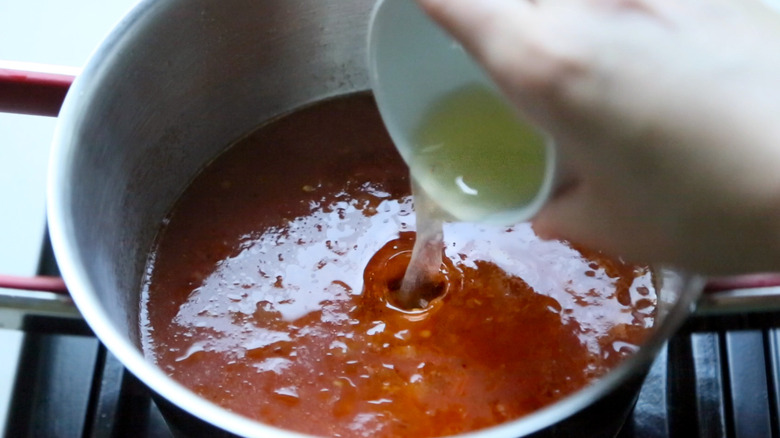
[576,217]
[565,217]
[584,218]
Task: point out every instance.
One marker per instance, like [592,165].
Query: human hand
[666,115]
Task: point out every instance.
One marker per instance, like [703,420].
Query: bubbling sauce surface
[267,293]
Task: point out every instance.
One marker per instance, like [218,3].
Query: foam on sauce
[267,293]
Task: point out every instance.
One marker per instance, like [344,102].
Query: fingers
[509,39]
[489,29]
[475,21]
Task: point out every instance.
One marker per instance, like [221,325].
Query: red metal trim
[56,284]
[34,93]
[750,281]
[37,283]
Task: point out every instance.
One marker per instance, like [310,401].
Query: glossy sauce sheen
[266,293]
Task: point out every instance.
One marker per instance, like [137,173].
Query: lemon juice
[472,158]
[476,158]
[426,261]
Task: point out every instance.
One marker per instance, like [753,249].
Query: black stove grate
[711,384]
[703,384]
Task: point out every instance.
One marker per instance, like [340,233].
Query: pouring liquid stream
[423,278]
[472,159]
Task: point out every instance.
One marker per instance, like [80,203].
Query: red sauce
[267,294]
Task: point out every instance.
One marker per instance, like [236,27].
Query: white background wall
[55,32]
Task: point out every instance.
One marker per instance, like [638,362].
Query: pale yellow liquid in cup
[475,157]
[472,156]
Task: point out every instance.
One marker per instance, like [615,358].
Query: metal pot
[174,84]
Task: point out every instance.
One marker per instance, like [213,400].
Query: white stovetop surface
[53,32]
